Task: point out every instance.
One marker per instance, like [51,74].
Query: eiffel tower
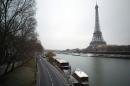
[97,35]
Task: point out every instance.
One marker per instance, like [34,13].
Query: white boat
[75,54]
[62,64]
[79,78]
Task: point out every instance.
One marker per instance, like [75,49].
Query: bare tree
[17,31]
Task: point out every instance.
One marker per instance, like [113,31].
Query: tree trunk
[7,67]
[12,66]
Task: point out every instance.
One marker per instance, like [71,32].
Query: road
[48,75]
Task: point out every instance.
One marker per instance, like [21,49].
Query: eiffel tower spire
[97,35]
[97,27]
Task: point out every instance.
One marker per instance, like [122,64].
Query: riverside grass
[24,75]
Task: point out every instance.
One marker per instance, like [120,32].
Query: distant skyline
[69,24]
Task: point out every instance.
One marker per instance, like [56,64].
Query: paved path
[48,75]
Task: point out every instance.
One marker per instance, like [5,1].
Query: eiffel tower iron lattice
[97,35]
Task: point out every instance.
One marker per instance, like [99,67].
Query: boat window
[65,64]
[84,79]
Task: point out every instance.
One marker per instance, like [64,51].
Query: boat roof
[61,60]
[80,73]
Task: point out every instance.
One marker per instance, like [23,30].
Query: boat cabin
[81,77]
[62,64]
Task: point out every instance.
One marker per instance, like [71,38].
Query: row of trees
[18,39]
[109,49]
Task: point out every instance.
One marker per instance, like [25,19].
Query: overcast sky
[70,24]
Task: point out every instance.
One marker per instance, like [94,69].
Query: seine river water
[102,71]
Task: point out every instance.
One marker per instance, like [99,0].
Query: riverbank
[112,56]
[24,75]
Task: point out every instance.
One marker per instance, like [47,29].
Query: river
[101,71]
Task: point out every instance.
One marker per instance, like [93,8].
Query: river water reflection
[102,71]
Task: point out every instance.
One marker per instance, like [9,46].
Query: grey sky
[70,24]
